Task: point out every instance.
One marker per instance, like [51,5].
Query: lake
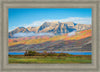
[73,53]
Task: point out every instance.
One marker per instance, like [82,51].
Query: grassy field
[49,59]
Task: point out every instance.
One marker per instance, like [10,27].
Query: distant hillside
[80,41]
[52,27]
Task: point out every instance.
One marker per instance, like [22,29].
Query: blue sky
[25,17]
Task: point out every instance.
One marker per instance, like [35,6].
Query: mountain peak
[30,27]
[53,22]
[20,27]
[68,22]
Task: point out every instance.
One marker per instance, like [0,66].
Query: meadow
[49,57]
[14,59]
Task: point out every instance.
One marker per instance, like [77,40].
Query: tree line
[45,53]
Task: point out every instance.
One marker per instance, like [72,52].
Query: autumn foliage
[38,40]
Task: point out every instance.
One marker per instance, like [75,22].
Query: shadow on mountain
[71,29]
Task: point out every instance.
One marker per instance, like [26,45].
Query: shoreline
[53,51]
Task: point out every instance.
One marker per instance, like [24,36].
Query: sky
[26,17]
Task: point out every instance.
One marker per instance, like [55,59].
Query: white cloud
[72,33]
[20,34]
[70,19]
[13,27]
[77,20]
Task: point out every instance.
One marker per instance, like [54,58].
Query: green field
[49,59]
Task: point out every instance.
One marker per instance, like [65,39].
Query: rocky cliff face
[58,28]
[80,27]
[32,29]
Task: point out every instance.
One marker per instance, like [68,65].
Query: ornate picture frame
[5,4]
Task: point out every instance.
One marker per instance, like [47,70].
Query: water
[73,53]
[16,53]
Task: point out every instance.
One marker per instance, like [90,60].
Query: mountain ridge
[51,27]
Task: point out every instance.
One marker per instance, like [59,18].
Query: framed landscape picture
[49,36]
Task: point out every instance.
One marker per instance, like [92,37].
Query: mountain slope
[81,41]
[56,28]
[47,25]
[17,30]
